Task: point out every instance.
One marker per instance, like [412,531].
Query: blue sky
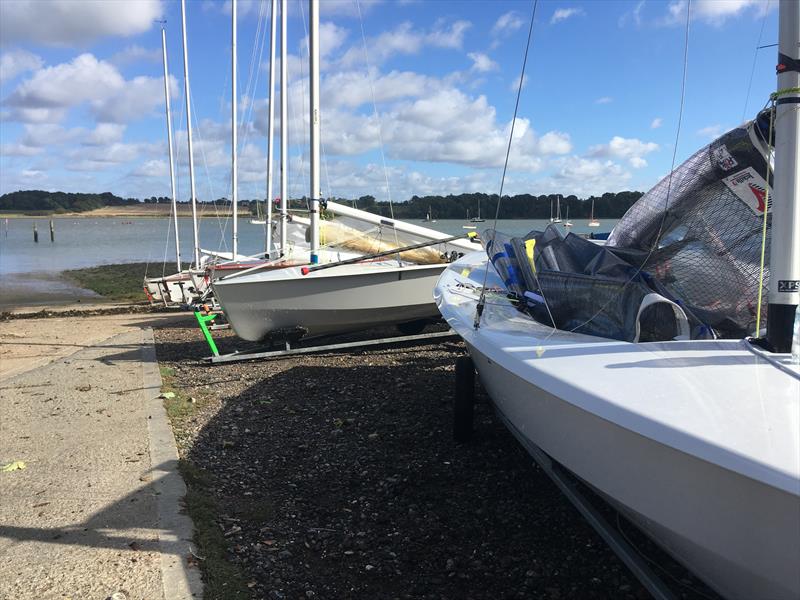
[82,106]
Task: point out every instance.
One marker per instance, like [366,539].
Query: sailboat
[428,218]
[478,218]
[190,285]
[557,218]
[659,400]
[592,221]
[343,298]
[567,222]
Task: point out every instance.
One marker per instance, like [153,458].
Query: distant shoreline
[114,212]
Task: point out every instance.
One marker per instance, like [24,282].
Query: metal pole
[784,270]
[284,129]
[270,123]
[169,145]
[187,93]
[313,51]
[234,127]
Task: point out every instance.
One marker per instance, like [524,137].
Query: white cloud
[67,23]
[353,88]
[136,98]
[514,87]
[634,15]
[481,62]
[50,92]
[135,53]
[562,14]
[105,134]
[713,12]
[42,135]
[19,150]
[331,38]
[405,39]
[507,23]
[425,130]
[16,62]
[629,149]
[451,37]
[555,142]
[67,84]
[100,158]
[152,168]
[657,122]
[585,176]
[711,132]
[604,100]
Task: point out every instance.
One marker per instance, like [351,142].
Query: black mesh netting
[694,240]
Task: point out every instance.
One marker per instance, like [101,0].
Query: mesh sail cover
[693,241]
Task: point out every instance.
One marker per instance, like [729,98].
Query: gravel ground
[339,478]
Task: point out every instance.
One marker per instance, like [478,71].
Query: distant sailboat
[558,210]
[567,223]
[478,218]
[428,218]
[592,221]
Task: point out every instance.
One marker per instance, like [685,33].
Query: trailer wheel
[464,401]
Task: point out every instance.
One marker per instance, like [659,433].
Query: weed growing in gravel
[222,579]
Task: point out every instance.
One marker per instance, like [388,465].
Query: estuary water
[29,271]
[86,242]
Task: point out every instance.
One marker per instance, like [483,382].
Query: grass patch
[119,283]
[223,580]
[180,406]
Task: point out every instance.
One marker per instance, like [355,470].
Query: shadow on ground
[338,477]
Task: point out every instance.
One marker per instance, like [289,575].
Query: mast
[270,124]
[169,145]
[234,172]
[784,269]
[189,134]
[284,128]
[313,39]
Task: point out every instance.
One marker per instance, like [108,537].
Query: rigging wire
[377,116]
[755,58]
[681,107]
[482,299]
[640,267]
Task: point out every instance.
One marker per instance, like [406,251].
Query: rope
[764,227]
[482,299]
[784,92]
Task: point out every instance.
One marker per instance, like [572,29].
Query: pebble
[346,472]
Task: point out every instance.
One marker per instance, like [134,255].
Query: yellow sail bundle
[334,234]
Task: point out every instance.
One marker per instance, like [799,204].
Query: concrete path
[95,511]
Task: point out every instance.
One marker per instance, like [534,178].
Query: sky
[417,97]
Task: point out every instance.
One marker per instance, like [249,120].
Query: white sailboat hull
[337,300]
[697,442]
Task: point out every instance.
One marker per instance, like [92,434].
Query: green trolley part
[203,321]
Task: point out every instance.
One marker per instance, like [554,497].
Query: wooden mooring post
[35,234]
[52,231]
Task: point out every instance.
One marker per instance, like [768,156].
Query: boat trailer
[289,338]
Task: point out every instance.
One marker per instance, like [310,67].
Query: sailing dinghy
[294,302]
[629,364]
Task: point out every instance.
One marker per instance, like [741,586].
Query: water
[90,242]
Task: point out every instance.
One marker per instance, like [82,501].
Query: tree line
[461,206]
